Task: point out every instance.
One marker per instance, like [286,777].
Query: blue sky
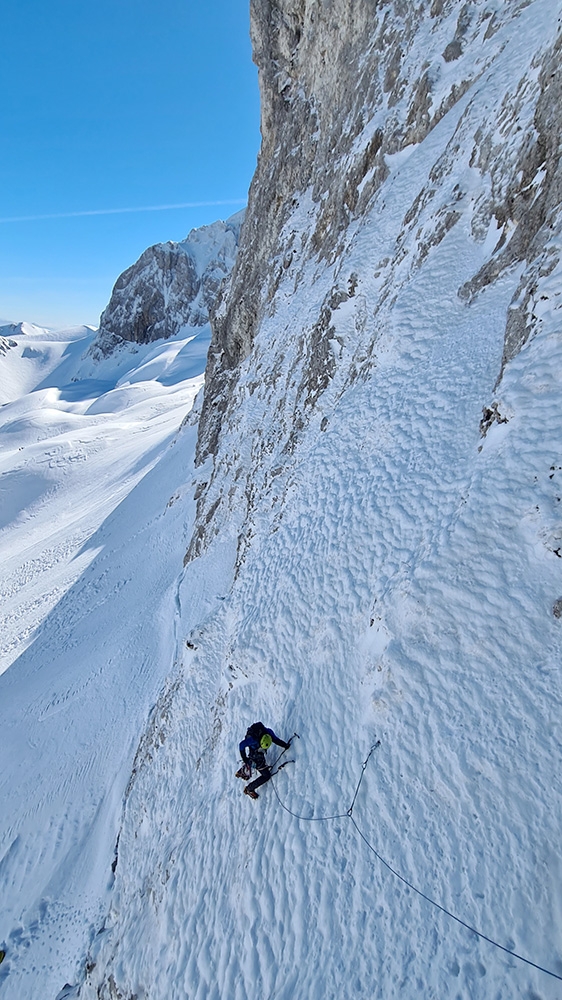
[112,104]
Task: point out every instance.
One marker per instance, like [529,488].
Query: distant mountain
[10,330]
[171,287]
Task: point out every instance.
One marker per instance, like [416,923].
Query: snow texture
[370,547]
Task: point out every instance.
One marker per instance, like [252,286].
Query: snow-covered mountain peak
[216,242]
[170,289]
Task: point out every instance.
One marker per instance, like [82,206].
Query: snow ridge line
[349,815]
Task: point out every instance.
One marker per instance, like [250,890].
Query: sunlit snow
[395,576]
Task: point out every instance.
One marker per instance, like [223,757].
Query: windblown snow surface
[391,577]
[87,579]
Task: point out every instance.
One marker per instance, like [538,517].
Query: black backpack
[256,730]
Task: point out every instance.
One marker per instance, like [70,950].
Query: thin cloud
[124,211]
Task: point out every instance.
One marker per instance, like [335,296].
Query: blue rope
[428,899]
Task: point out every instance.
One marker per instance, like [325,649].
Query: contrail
[123,211]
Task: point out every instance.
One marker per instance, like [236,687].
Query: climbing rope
[349,815]
[363,769]
[323,819]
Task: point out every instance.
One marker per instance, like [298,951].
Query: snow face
[376,554]
[377,569]
[90,469]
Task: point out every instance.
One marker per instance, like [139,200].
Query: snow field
[58,487]
[88,473]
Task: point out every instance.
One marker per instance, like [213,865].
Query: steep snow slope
[87,474]
[76,437]
[372,557]
[94,521]
[381,568]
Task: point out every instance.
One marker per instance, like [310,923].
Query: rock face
[171,286]
[343,87]
[5,344]
[7,333]
[347,91]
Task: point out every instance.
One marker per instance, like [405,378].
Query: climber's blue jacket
[250,745]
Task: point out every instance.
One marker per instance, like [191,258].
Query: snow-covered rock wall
[377,550]
[347,90]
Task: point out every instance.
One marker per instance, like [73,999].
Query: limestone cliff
[347,91]
[171,286]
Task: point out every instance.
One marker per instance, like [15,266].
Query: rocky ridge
[7,334]
[170,287]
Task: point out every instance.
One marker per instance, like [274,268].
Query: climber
[253,749]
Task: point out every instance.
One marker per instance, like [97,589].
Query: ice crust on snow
[372,536]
